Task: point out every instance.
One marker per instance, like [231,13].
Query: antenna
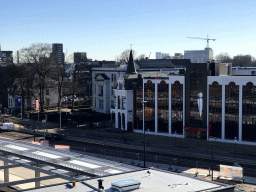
[207,39]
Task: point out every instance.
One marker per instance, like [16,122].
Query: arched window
[177,108]
[163,107]
[215,109]
[231,110]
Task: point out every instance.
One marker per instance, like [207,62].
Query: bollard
[74,183]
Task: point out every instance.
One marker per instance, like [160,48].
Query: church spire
[130,68]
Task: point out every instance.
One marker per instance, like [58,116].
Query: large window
[149,96]
[123,102]
[119,102]
[249,111]
[196,97]
[177,107]
[163,107]
[215,109]
[100,90]
[231,110]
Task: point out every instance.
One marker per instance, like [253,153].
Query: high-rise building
[80,57]
[5,57]
[57,53]
[199,56]
[177,56]
[160,55]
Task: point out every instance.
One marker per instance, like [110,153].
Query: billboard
[37,105]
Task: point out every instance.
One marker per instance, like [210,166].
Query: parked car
[54,137]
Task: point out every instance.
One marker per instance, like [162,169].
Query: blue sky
[104,28]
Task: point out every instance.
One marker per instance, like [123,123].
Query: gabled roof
[105,77]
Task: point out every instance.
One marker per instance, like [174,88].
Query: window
[100,90]
[118,102]
[252,72]
[47,102]
[101,104]
[123,102]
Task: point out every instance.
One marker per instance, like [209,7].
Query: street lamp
[43,121]
[235,138]
[148,137]
[175,137]
[212,154]
[143,104]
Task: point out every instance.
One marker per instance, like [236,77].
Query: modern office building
[5,57]
[160,55]
[199,56]
[57,53]
[80,57]
[177,56]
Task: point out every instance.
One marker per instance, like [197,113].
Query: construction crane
[207,39]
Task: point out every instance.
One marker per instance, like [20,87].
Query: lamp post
[175,137]
[148,137]
[212,154]
[35,130]
[143,105]
[43,121]
[235,138]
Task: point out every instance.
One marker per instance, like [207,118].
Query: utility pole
[143,104]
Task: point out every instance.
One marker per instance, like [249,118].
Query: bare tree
[141,57]
[22,82]
[38,56]
[242,60]
[224,56]
[124,56]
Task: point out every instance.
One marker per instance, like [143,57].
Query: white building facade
[104,81]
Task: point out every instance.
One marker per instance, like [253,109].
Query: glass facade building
[229,107]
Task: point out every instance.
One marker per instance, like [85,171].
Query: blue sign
[175,132]
[148,130]
[235,138]
[19,101]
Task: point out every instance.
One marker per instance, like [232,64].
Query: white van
[7,126]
